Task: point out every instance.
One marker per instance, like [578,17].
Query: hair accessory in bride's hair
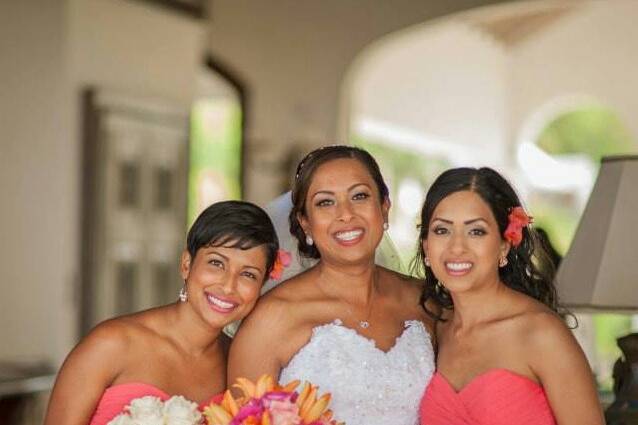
[518,219]
[282,261]
[310,154]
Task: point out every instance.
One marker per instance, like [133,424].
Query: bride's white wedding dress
[368,386]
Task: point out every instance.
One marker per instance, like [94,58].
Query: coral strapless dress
[117,397]
[496,397]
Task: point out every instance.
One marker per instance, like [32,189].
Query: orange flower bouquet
[267,403]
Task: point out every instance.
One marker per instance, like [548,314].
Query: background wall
[589,52]
[56,49]
[38,175]
[446,81]
[291,56]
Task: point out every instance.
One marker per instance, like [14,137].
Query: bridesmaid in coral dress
[177,349]
[505,355]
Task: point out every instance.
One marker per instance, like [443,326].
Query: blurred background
[120,120]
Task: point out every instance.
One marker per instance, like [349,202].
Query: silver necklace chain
[363,324]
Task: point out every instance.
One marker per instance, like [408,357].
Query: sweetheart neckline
[338,323]
[483,375]
[159,390]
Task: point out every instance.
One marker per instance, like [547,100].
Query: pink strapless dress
[117,397]
[496,397]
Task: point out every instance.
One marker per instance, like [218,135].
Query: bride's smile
[344,211]
[355,329]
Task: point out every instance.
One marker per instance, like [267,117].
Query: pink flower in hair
[282,261]
[518,219]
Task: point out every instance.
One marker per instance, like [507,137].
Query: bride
[355,329]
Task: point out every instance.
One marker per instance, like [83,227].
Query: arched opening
[438,95]
[488,87]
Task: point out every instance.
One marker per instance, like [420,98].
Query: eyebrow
[212,250]
[329,192]
[471,221]
[254,268]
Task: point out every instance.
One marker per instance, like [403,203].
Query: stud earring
[309,240]
[183,294]
[502,262]
[386,225]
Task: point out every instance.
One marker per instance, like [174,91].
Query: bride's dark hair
[303,178]
[529,269]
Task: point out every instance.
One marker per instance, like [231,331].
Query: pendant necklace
[363,324]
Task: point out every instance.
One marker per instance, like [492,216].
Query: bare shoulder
[408,291]
[409,286]
[545,329]
[271,309]
[121,334]
[93,365]
[109,337]
[278,316]
[295,289]
[555,357]
[543,336]
[107,344]
[274,313]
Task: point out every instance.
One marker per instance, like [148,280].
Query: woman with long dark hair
[505,355]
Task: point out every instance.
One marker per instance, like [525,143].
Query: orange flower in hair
[518,219]
[282,261]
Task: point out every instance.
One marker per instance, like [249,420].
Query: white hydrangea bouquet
[151,410]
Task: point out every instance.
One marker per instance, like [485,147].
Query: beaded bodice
[368,386]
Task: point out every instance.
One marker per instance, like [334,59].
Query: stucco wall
[38,165]
[293,57]
[591,52]
[57,48]
[446,81]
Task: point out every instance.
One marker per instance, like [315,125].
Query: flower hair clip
[282,261]
[518,219]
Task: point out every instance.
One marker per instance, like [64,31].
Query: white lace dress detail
[368,385]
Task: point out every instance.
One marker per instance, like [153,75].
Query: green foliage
[608,328]
[595,131]
[558,221]
[214,150]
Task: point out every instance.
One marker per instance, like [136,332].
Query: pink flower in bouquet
[267,403]
[284,412]
[252,409]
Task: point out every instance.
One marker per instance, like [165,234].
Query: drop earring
[309,240]
[427,262]
[183,294]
